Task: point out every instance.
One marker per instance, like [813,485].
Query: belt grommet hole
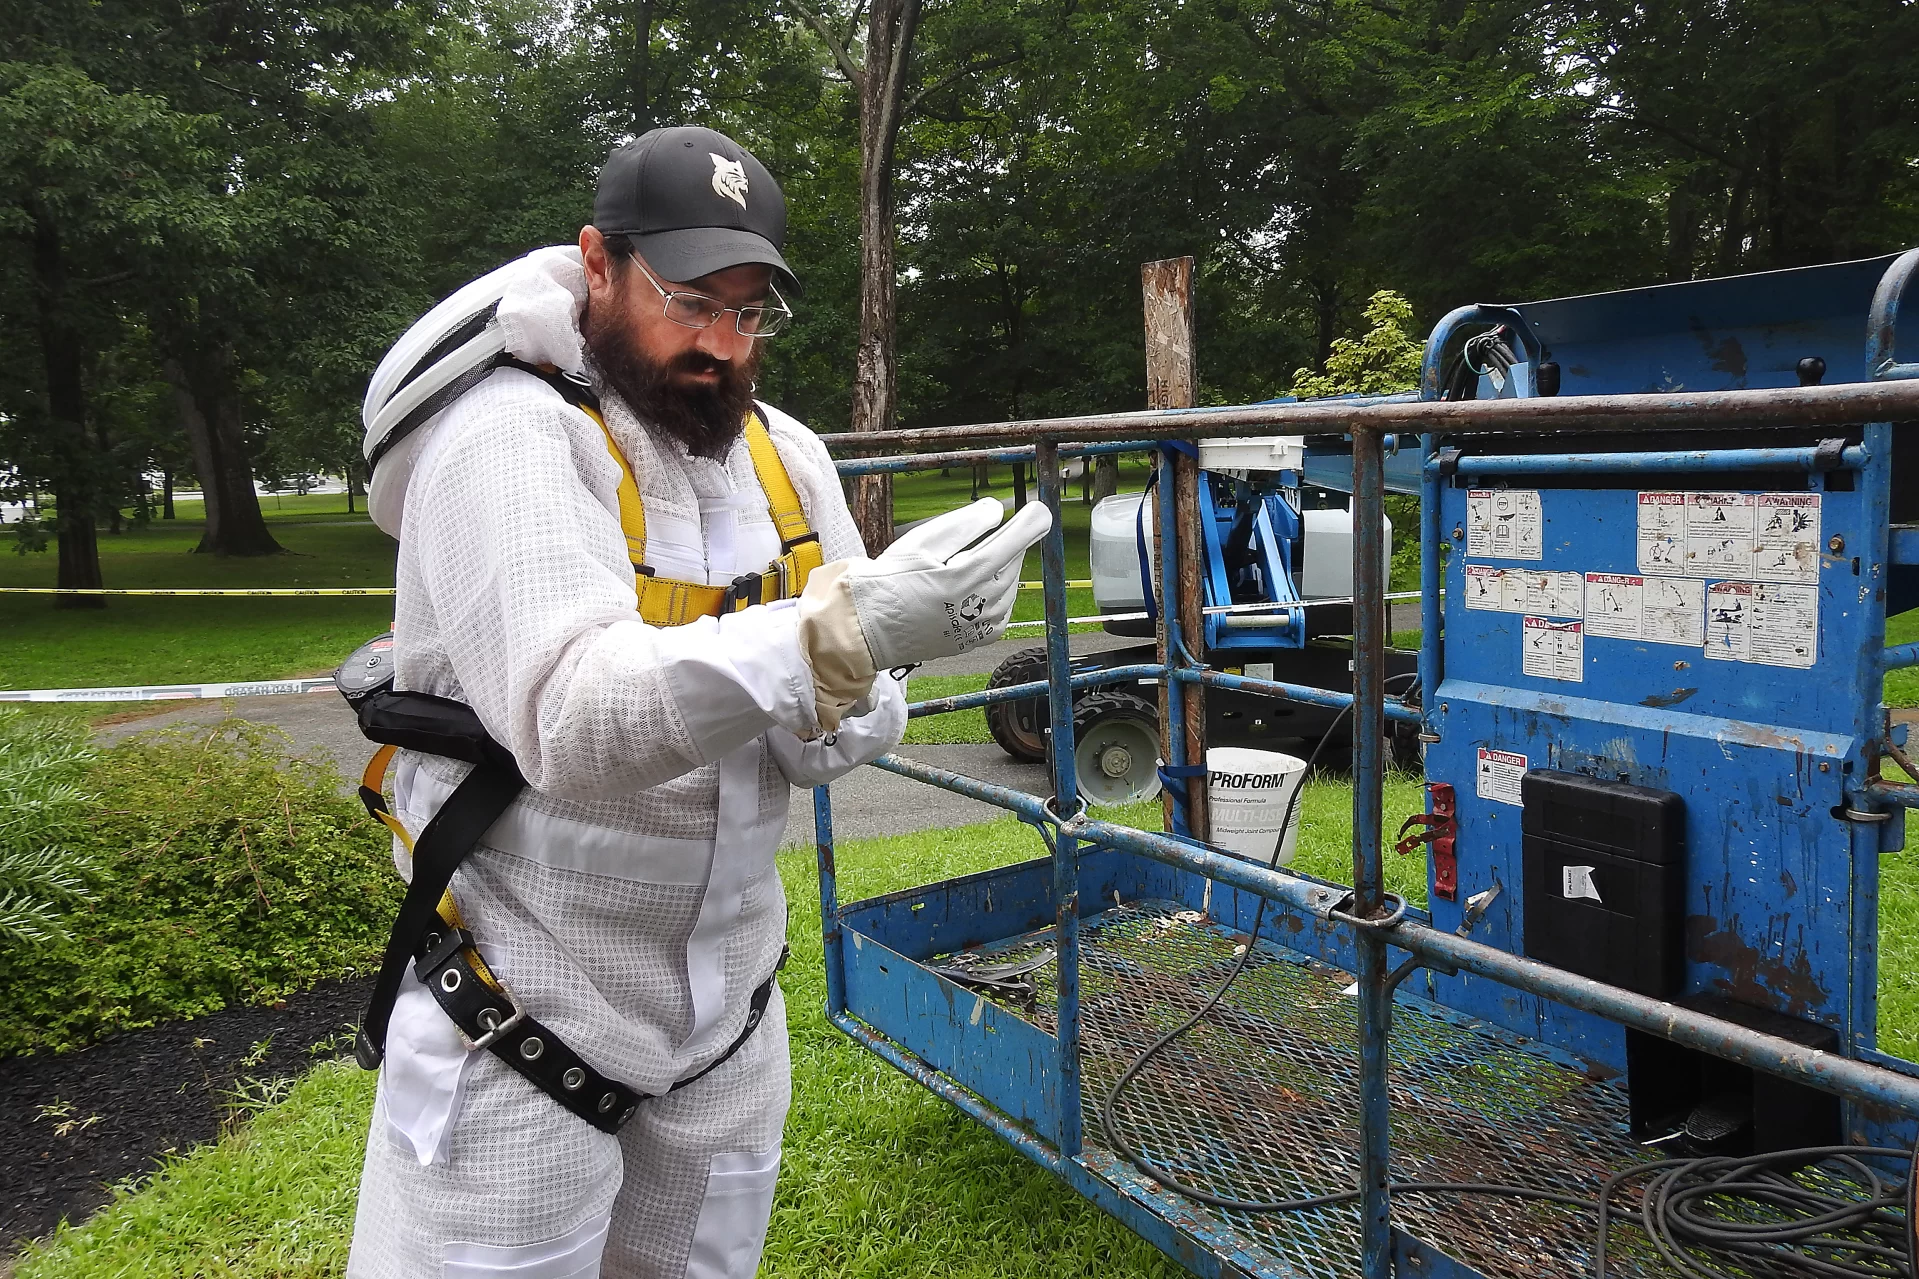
[531,1047]
[450,980]
[573,1078]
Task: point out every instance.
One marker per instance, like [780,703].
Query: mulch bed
[74,1124]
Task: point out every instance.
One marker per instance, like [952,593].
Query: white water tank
[1115,553]
[1326,570]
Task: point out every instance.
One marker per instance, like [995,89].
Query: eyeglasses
[697,311]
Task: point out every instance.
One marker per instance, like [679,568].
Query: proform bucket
[1248,792]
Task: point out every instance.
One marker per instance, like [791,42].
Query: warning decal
[1483,586]
[1553,650]
[1786,538]
[1614,602]
[1662,532]
[1729,621]
[1552,593]
[1499,775]
[1673,611]
[1771,623]
[1505,524]
[1719,529]
[1785,624]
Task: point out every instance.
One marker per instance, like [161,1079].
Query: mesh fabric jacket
[628,898]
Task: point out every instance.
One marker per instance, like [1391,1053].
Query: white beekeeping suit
[629,897]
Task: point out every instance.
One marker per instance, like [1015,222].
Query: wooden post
[1172,383]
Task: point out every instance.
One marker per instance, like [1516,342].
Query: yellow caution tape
[1040,586]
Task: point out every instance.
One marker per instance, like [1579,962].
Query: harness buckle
[743,591]
[518,1016]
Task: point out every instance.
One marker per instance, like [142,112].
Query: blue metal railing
[1092,1172]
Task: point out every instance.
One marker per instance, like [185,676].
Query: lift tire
[1020,727]
[1115,747]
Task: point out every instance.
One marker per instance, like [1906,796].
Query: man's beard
[706,417]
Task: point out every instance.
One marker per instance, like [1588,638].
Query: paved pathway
[869,802]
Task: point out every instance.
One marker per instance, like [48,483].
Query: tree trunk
[166,495]
[209,406]
[1326,315]
[889,45]
[642,68]
[74,485]
[1105,477]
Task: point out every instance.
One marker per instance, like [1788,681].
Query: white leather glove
[926,596]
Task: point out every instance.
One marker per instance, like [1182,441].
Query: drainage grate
[1260,1101]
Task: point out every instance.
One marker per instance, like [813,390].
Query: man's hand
[928,596]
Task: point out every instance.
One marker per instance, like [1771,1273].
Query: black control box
[1605,879]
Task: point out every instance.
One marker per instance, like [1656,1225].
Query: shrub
[43,805]
[221,871]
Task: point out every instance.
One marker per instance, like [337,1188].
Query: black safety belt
[444,957]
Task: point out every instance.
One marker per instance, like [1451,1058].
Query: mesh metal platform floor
[1260,1102]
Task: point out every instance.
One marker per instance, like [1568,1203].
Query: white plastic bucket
[1248,792]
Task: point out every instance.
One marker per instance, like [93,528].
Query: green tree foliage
[252,198]
[1382,360]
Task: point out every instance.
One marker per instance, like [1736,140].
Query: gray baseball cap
[693,201]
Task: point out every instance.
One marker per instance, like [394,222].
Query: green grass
[137,640]
[1902,687]
[881,1178]
[953,726]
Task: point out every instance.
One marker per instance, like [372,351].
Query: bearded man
[648,588]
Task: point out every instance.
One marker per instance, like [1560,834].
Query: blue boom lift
[1276,547]
[1661,534]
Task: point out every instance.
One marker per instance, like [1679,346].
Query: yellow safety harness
[663,601]
[666,602]
[435,942]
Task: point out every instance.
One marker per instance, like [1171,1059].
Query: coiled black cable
[1797,1231]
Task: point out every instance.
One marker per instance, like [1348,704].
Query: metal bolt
[1835,543]
[1459,532]
[1824,767]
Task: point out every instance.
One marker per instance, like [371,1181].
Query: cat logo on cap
[729,179]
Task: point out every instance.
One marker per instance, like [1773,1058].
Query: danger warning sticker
[1552,593]
[1614,602]
[1662,532]
[1499,774]
[1785,544]
[1505,524]
[1719,530]
[1553,650]
[1768,623]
